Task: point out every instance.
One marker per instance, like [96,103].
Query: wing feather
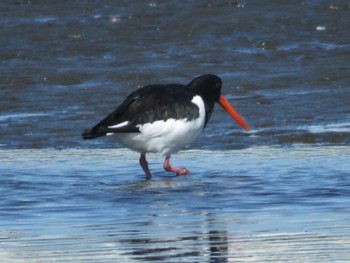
[147,105]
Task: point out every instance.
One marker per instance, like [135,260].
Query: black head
[207,86]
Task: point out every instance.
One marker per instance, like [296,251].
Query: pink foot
[179,171]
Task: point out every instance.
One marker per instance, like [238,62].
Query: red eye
[218,85]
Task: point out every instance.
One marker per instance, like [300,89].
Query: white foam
[21,115]
[330,127]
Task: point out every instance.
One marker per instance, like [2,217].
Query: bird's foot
[182,171]
[179,171]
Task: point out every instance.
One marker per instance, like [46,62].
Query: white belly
[165,137]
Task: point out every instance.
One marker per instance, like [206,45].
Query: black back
[160,102]
[147,105]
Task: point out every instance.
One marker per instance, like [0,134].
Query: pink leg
[179,171]
[144,165]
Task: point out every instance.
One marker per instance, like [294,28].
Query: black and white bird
[164,118]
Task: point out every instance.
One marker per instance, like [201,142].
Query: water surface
[258,204]
[278,193]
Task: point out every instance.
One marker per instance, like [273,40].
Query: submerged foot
[179,171]
[182,171]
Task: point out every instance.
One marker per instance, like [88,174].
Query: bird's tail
[93,133]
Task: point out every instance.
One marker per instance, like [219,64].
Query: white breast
[165,137]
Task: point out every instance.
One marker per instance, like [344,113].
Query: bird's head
[209,88]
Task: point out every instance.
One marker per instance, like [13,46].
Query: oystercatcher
[164,118]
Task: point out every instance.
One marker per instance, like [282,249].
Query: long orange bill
[224,103]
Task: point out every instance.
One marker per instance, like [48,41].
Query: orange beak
[224,103]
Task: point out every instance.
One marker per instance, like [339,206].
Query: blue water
[278,193]
[257,204]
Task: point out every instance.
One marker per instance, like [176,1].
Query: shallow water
[278,193]
[258,204]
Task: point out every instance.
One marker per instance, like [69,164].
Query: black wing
[147,105]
